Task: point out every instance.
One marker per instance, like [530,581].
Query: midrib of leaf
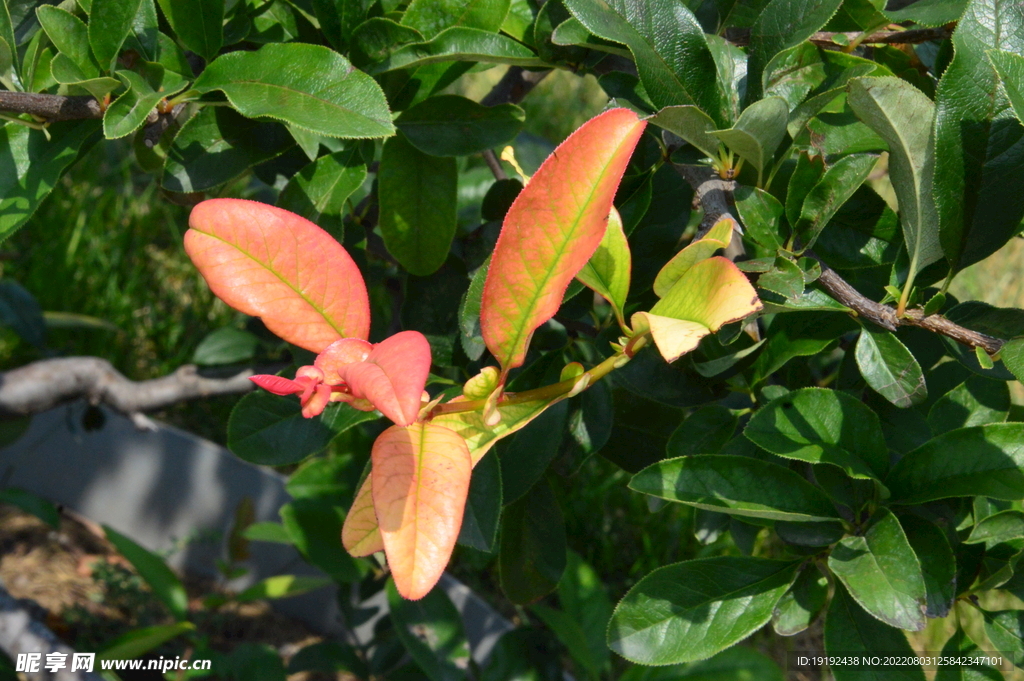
[284,281]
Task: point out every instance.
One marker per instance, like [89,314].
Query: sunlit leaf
[360,535]
[607,272]
[719,236]
[393,376]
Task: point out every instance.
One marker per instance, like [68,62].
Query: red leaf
[273,264]
[420,481]
[551,230]
[393,376]
[279,385]
[340,353]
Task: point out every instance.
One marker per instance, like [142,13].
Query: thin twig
[494,164]
[741,36]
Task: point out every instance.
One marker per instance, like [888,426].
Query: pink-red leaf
[270,263]
[393,376]
[551,230]
[279,385]
[420,483]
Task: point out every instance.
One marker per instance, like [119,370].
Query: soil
[89,594]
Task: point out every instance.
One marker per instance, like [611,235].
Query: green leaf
[315,526]
[882,573]
[979,144]
[938,566]
[890,368]
[783,24]
[19,310]
[527,455]
[849,631]
[608,270]
[32,504]
[975,402]
[738,663]
[902,116]
[799,606]
[269,532]
[308,86]
[333,478]
[197,23]
[431,631]
[760,213]
[470,334]
[1000,322]
[533,545]
[8,43]
[960,645]
[320,191]
[281,586]
[417,205]
[571,635]
[110,22]
[822,426]
[785,278]
[705,431]
[1012,355]
[834,189]
[70,36]
[431,17]
[691,124]
[74,80]
[138,642]
[798,334]
[939,470]
[1010,68]
[997,528]
[582,595]
[450,125]
[667,617]
[269,430]
[226,345]
[810,534]
[373,39]
[33,164]
[735,485]
[1005,629]
[217,145]
[483,506]
[809,170]
[165,584]
[928,12]
[338,20]
[458,44]
[758,131]
[671,51]
[129,111]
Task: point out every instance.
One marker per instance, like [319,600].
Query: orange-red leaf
[420,483]
[551,230]
[273,264]
[360,534]
[392,376]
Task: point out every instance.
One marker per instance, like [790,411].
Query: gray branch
[48,383]
[50,107]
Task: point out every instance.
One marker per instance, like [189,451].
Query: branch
[48,383]
[741,36]
[714,196]
[511,89]
[50,107]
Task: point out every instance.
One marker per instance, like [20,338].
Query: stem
[901,307]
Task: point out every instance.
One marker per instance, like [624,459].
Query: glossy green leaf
[74,81]
[783,24]
[835,188]
[691,124]
[999,322]
[928,12]
[960,645]
[583,596]
[417,205]
[458,44]
[269,430]
[226,345]
[608,270]
[665,618]
[430,17]
[533,545]
[1010,68]
[33,163]
[450,125]
[938,566]
[110,22]
[998,528]
[975,402]
[527,455]
[70,36]
[320,191]
[1005,629]
[979,144]
[902,116]
[785,278]
[165,584]
[268,532]
[431,631]
[8,43]
[128,112]
[308,86]
[314,526]
[1012,355]
[138,642]
[281,586]
[217,145]
[802,604]
[328,657]
[31,503]
[757,133]
[197,23]
[760,213]
[882,573]
[669,46]
[483,507]
[849,631]
[890,368]
[571,635]
[338,19]
[705,431]
[939,470]
[798,334]
[822,426]
[736,485]
[718,237]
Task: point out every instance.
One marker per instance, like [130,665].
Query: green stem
[901,307]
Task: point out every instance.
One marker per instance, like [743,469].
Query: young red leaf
[420,483]
[270,263]
[551,230]
[279,385]
[393,376]
[360,534]
[339,354]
